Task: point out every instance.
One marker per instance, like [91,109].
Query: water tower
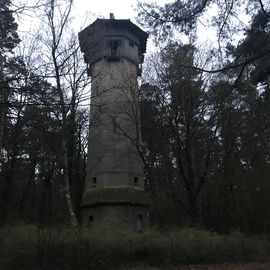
[113,51]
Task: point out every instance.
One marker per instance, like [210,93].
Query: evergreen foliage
[9,37]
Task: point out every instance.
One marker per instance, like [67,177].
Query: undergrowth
[29,247]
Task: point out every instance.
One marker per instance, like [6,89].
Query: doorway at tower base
[116,207]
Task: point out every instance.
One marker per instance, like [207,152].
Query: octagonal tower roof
[104,26]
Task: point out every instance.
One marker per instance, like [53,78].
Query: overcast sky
[123,9]
[126,9]
[86,11]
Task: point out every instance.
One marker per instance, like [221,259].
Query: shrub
[27,247]
[17,247]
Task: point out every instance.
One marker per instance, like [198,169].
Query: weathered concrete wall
[113,160]
[130,216]
[94,40]
[114,193]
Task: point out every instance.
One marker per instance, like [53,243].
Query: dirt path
[250,266]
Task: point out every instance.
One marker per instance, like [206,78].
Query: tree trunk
[195,212]
[71,214]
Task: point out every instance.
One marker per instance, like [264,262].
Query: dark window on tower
[90,221]
[94,182]
[114,125]
[139,70]
[140,222]
[114,47]
[136,181]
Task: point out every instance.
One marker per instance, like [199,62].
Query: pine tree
[8,40]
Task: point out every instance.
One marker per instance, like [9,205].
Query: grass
[28,247]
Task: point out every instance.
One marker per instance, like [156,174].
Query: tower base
[120,207]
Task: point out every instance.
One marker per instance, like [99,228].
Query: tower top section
[112,39]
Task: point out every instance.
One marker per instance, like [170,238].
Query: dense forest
[205,116]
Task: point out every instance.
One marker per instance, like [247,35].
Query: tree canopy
[204,112]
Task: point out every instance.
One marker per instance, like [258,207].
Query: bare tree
[61,64]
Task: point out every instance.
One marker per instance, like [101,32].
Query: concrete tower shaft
[113,159]
[113,51]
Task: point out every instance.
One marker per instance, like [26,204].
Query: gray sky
[122,9]
[86,11]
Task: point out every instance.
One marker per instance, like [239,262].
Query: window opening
[114,46]
[139,70]
[140,222]
[90,221]
[94,181]
[136,181]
